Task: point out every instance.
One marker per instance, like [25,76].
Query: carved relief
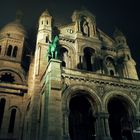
[133,96]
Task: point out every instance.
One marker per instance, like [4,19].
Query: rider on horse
[53,48]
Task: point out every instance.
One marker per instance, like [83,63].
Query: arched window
[47,22]
[89,59]
[64,57]
[15,51]
[2,106]
[12,121]
[111,72]
[128,57]
[110,66]
[63,64]
[9,50]
[47,39]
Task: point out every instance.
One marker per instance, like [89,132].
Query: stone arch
[71,53]
[121,111]
[79,15]
[123,96]
[89,59]
[109,65]
[15,116]
[7,98]
[89,46]
[9,50]
[18,77]
[15,51]
[77,101]
[73,90]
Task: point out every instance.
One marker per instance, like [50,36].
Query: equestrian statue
[53,49]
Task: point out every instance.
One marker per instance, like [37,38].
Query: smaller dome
[45,14]
[14,27]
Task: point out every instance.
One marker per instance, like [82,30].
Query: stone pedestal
[54,108]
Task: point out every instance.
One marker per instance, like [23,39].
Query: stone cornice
[100,79]
[67,39]
[13,89]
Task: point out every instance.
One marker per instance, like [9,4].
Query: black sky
[123,14]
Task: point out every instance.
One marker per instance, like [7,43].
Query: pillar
[54,108]
[66,125]
[103,132]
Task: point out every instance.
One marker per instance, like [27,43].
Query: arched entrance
[81,119]
[120,119]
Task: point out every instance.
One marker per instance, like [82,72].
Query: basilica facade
[77,84]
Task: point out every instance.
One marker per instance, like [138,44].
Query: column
[66,125]
[106,116]
[81,61]
[103,126]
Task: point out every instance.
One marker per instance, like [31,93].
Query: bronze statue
[53,48]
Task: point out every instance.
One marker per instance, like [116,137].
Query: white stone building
[91,92]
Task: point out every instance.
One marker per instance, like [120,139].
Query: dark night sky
[123,14]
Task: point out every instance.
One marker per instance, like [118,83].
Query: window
[89,59]
[63,64]
[111,72]
[9,50]
[2,106]
[128,57]
[47,22]
[12,121]
[15,51]
[47,39]
[7,78]
[64,57]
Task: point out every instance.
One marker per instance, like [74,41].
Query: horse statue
[53,48]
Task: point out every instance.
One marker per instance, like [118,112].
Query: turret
[44,36]
[126,64]
[45,28]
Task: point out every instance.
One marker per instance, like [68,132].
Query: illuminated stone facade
[91,92]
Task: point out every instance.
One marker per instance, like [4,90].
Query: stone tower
[14,49]
[91,92]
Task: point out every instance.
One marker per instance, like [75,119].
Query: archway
[120,122]
[81,119]
[64,57]
[89,58]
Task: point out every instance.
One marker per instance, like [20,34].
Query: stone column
[81,60]
[106,117]
[103,127]
[136,127]
[92,62]
[66,125]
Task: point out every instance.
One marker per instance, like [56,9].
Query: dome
[45,14]
[14,27]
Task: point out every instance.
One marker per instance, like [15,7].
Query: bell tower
[126,63]
[45,28]
[44,36]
